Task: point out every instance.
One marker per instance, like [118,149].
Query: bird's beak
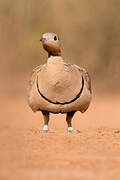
[42,39]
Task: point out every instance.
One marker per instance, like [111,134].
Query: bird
[58,86]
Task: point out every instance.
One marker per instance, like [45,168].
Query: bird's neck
[55,59]
[50,54]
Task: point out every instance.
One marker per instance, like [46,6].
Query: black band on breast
[62,103]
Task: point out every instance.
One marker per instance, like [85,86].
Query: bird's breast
[59,82]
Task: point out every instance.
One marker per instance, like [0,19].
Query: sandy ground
[94,154]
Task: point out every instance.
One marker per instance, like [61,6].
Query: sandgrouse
[57,86]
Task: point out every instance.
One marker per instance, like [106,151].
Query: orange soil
[94,154]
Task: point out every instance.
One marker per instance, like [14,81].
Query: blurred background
[89,32]
[90,35]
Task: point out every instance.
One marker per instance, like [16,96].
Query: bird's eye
[55,38]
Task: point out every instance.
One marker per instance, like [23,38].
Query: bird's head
[51,44]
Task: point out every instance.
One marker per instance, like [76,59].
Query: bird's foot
[71,130]
[43,131]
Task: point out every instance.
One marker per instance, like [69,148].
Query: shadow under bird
[57,86]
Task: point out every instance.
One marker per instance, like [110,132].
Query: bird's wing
[86,76]
[33,77]
[68,67]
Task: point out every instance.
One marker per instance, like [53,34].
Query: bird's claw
[73,131]
[43,131]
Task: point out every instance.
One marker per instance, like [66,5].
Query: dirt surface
[93,154]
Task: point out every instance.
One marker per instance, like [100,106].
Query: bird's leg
[69,123]
[46,120]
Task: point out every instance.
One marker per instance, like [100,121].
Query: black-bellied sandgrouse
[57,86]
